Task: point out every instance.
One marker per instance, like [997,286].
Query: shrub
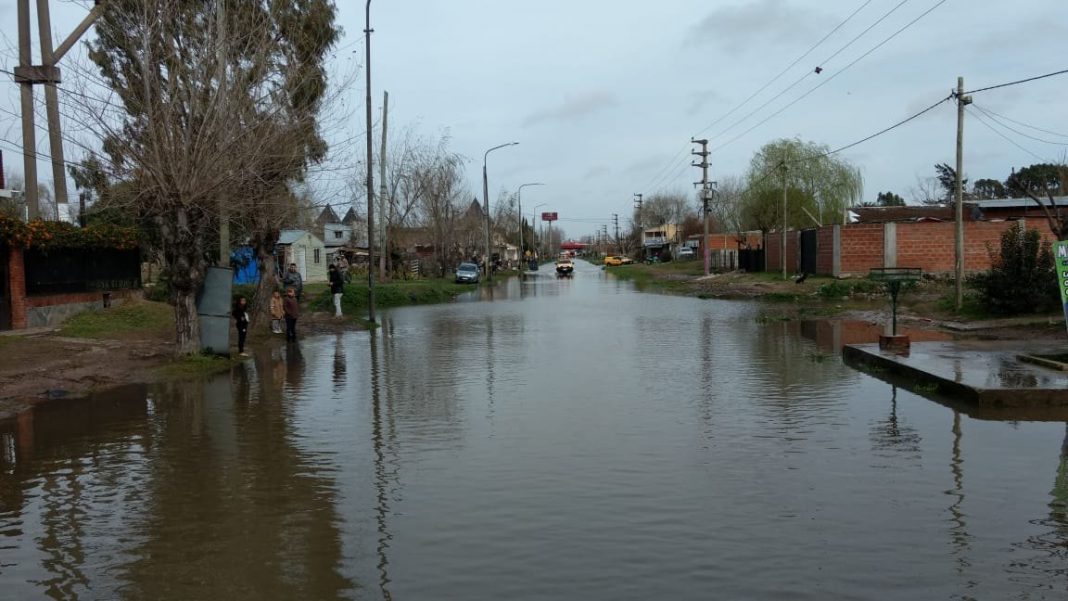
[1022,278]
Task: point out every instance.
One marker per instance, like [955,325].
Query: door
[809,250]
[300,254]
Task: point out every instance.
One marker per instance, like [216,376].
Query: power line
[787,69]
[1018,82]
[1003,136]
[836,74]
[888,129]
[991,116]
[1021,123]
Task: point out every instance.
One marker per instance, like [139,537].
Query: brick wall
[730,241]
[774,258]
[17,287]
[825,250]
[862,248]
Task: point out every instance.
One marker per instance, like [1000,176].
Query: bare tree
[204,112]
[442,183]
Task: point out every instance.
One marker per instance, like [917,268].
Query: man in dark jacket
[337,288]
[293,280]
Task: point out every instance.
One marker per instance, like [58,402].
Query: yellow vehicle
[613,260]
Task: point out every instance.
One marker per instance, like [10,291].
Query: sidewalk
[981,373]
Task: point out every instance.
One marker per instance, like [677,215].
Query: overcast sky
[604,96]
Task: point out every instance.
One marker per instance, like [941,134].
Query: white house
[304,249]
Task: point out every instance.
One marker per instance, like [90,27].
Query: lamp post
[485,207]
[519,199]
[533,229]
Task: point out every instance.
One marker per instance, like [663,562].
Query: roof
[351,217]
[327,216]
[290,236]
[1018,203]
[905,213]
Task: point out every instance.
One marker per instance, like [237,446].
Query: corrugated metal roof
[1015,203]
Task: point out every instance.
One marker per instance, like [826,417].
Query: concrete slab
[980,373]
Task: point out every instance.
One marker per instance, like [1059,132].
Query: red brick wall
[931,246]
[17,281]
[774,259]
[730,241]
[825,250]
[862,247]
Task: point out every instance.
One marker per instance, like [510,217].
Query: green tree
[1022,278]
[820,186]
[889,199]
[987,189]
[214,112]
[947,179]
[1040,178]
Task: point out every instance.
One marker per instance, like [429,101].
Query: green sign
[1060,256]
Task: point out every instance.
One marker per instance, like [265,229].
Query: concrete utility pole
[370,178]
[384,191]
[615,220]
[485,208]
[782,247]
[958,192]
[704,199]
[27,75]
[519,209]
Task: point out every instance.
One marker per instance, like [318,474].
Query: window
[317,257]
[337,234]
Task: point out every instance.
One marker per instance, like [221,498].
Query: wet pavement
[982,372]
[545,439]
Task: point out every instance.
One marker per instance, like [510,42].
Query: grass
[971,308]
[118,322]
[198,365]
[387,294]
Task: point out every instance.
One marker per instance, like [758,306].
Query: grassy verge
[131,318]
[665,277]
[387,294]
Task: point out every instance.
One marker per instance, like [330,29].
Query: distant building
[306,250]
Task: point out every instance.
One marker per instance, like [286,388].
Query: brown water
[562,439]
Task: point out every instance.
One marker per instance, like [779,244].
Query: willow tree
[211,108]
[820,186]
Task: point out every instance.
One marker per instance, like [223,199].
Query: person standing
[337,288]
[291,309]
[240,315]
[277,313]
[293,280]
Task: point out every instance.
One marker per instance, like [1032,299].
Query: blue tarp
[245,266]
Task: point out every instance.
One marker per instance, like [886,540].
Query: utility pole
[221,58]
[370,177]
[958,192]
[615,220]
[27,75]
[384,191]
[782,244]
[704,199]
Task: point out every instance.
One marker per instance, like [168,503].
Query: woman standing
[240,314]
[337,288]
[292,311]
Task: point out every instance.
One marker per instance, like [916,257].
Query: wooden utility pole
[782,243]
[383,189]
[958,192]
[705,250]
[222,55]
[370,178]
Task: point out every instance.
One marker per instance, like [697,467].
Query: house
[333,232]
[306,250]
[357,227]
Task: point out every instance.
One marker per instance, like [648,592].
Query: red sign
[548,216]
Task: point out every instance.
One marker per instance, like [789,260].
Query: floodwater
[546,439]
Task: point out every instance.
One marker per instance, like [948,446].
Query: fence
[64,271]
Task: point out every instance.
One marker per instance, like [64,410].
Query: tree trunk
[261,303]
[186,324]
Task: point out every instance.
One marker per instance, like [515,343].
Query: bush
[1022,277]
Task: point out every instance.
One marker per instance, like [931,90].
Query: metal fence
[751,259]
[59,271]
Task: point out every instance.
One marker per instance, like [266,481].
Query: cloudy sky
[604,96]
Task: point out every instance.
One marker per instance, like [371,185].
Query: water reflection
[630,446]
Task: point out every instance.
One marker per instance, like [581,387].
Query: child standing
[240,314]
[277,313]
[292,311]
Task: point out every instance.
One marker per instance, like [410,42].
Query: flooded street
[546,439]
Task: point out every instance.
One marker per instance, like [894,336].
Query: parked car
[613,260]
[467,273]
[627,260]
[687,252]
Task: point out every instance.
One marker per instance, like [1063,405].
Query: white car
[687,252]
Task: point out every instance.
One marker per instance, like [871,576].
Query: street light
[533,229]
[485,207]
[519,199]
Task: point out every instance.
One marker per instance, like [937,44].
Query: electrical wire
[980,119]
[1021,123]
[995,119]
[1017,82]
